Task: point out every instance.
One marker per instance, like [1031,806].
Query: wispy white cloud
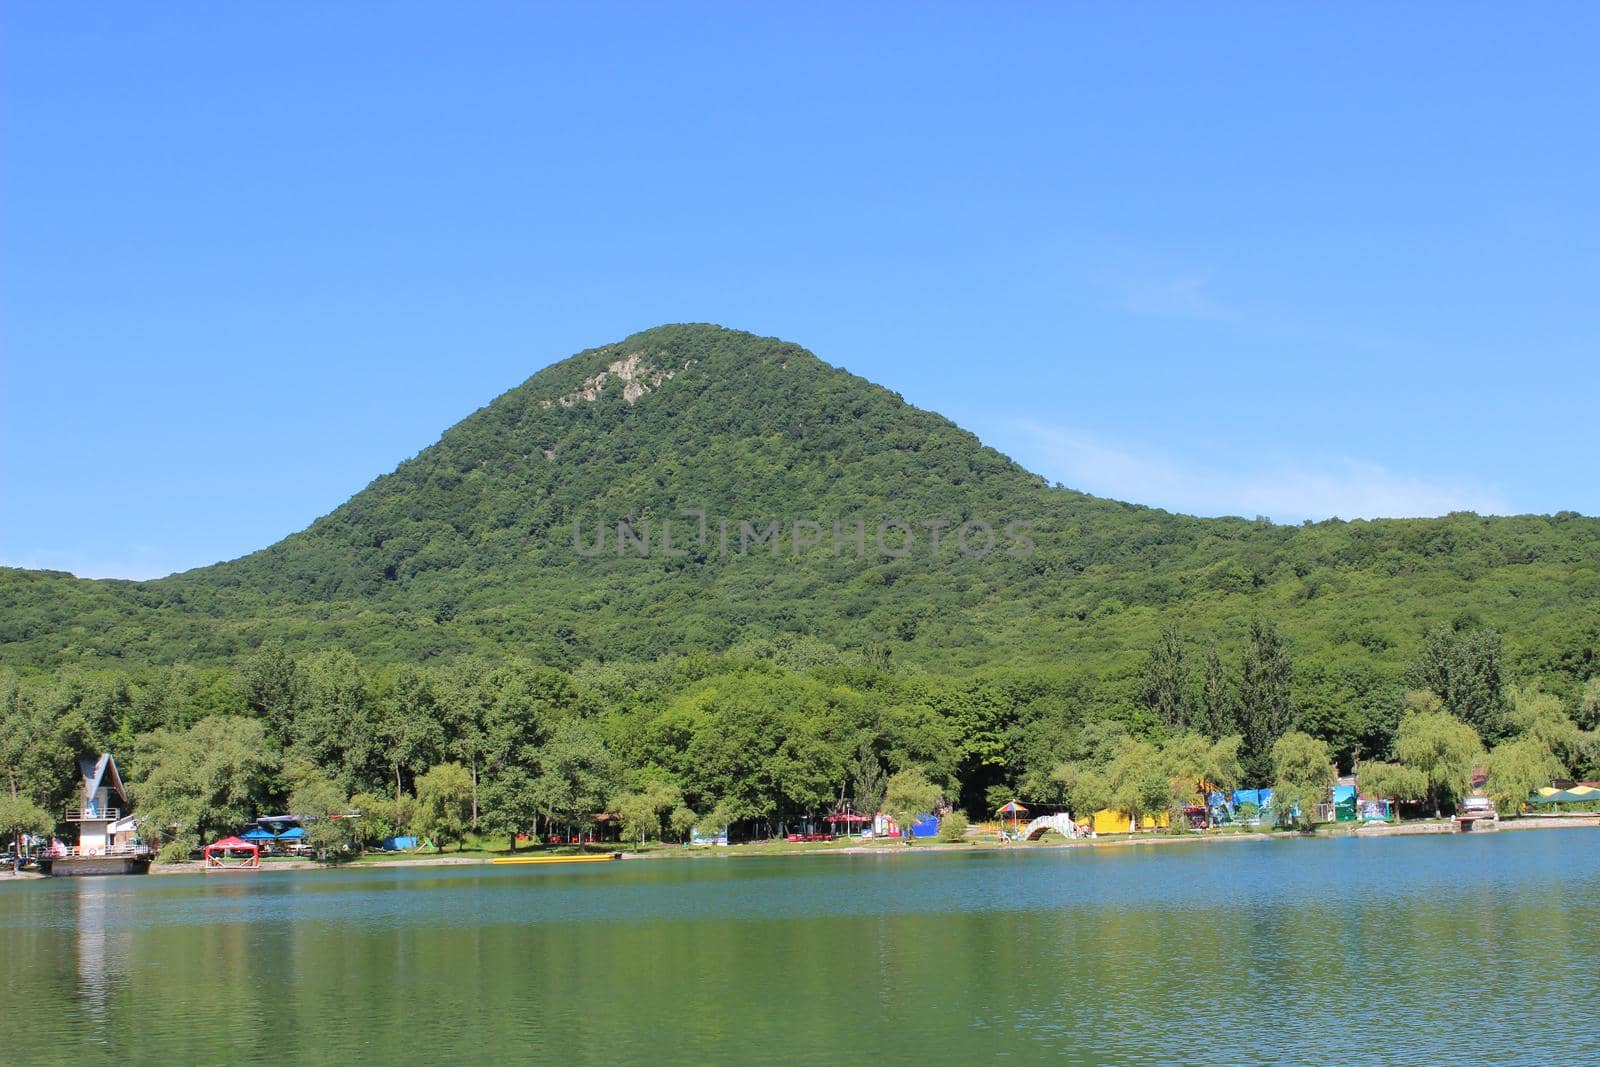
[1287,490]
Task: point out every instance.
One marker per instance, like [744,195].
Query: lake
[1475,948]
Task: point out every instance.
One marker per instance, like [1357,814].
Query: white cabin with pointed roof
[101,803]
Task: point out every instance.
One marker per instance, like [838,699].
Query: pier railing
[109,850]
[93,814]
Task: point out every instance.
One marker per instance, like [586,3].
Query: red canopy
[229,843]
[217,855]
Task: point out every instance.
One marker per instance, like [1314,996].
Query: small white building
[100,811]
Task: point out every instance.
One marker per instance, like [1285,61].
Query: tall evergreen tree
[1266,709]
[1165,687]
[1216,714]
[1466,670]
[866,780]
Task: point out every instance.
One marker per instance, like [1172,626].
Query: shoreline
[896,848]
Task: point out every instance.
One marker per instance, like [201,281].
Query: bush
[953,827]
[178,850]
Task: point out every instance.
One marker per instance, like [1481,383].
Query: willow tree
[1199,767]
[1393,782]
[444,803]
[1302,774]
[1440,747]
[1517,768]
[1138,780]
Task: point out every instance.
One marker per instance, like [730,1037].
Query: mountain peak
[691,487]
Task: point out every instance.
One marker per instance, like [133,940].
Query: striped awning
[1578,794]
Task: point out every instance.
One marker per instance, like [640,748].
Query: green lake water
[1465,949]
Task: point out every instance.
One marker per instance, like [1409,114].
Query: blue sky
[1225,259]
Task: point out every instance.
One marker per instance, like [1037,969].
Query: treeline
[764,734]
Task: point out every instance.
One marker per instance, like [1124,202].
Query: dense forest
[983,628]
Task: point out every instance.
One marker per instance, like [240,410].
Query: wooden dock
[75,866]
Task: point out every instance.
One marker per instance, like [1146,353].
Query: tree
[1465,670]
[465,703]
[1515,769]
[680,821]
[1266,709]
[866,780]
[203,782]
[650,811]
[1199,767]
[1083,787]
[1082,780]
[1303,772]
[1391,781]
[510,803]
[270,682]
[1540,716]
[640,816]
[1138,781]
[1439,746]
[1589,705]
[382,817]
[19,816]
[1164,688]
[918,735]
[722,815]
[761,745]
[575,774]
[909,795]
[323,807]
[444,803]
[409,731]
[336,729]
[38,744]
[1216,714]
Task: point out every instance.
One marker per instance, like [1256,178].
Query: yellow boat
[560,859]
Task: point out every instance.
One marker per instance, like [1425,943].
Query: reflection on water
[1281,951]
[103,948]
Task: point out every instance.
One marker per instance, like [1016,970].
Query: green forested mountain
[469,546]
[467,552]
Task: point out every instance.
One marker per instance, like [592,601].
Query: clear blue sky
[1226,259]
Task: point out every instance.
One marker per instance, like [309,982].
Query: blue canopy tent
[293,833]
[1261,799]
[257,834]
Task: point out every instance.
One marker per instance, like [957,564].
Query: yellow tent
[1107,821]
